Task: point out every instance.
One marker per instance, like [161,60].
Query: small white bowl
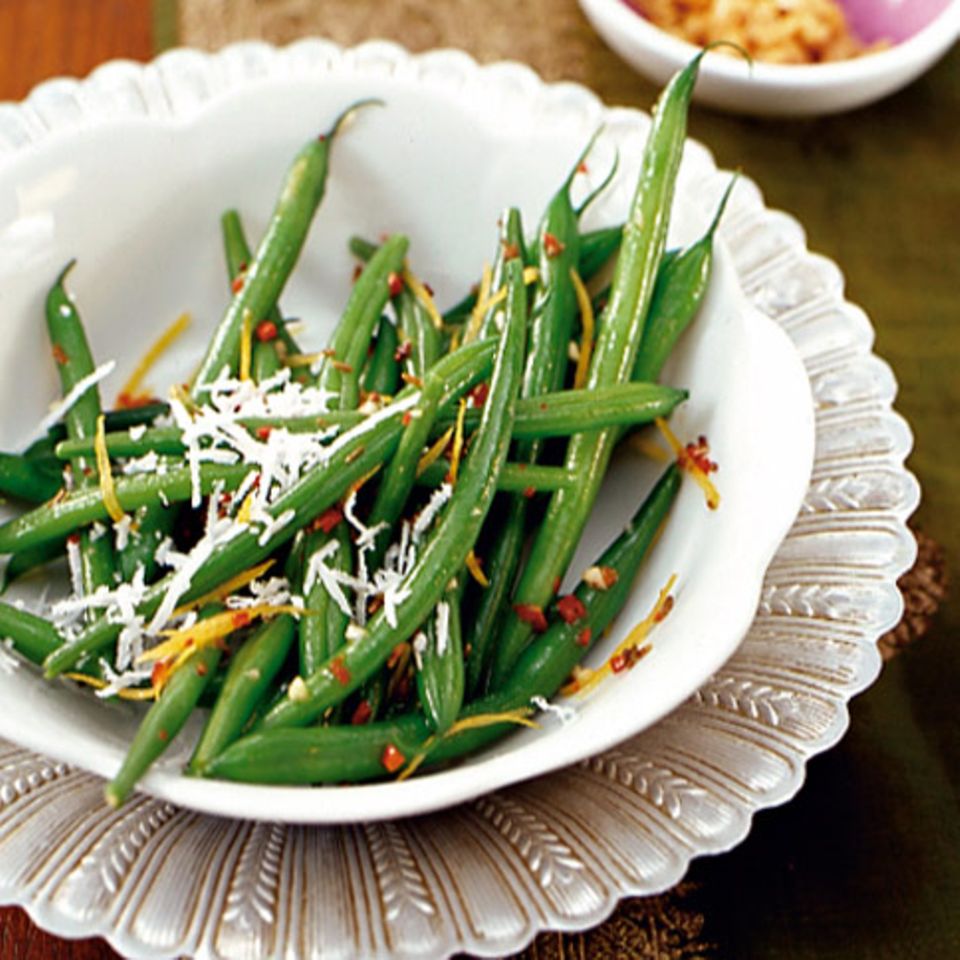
[774,89]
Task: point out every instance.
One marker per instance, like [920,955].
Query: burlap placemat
[554,38]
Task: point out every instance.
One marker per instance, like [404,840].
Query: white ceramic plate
[557,851]
[770,88]
[138,202]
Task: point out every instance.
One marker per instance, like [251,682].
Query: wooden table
[866,861]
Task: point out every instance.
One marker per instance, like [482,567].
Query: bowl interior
[138,201]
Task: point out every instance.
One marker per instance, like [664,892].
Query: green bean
[682,282]
[596,248]
[33,636]
[83,507]
[446,548]
[345,754]
[440,677]
[401,472]
[322,633]
[249,676]
[24,561]
[238,256]
[556,414]
[617,344]
[510,244]
[554,309]
[266,361]
[382,375]
[357,453]
[341,371]
[514,478]
[276,255]
[164,720]
[152,524]
[74,362]
[28,479]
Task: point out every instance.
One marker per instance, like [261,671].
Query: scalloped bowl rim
[163,784]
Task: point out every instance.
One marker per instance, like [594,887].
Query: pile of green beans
[421,556]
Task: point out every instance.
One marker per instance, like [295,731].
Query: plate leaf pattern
[252,898]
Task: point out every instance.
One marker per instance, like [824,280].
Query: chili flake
[584,637]
[600,578]
[480,393]
[237,285]
[532,614]
[59,354]
[266,331]
[264,432]
[392,759]
[510,251]
[552,247]
[571,609]
[529,492]
[403,351]
[339,670]
[328,520]
[362,713]
[395,284]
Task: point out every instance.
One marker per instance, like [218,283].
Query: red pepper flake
[698,455]
[357,270]
[480,393]
[529,492]
[73,539]
[392,759]
[201,669]
[556,584]
[406,418]
[571,609]
[59,354]
[532,614]
[395,283]
[403,351]
[627,659]
[159,673]
[664,609]
[374,605]
[510,251]
[354,454]
[163,735]
[328,520]
[552,247]
[266,331]
[321,138]
[584,637]
[237,285]
[428,288]
[339,670]
[362,713]
[129,401]
[240,619]
[264,432]
[582,167]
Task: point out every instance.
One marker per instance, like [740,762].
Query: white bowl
[773,89]
[137,200]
